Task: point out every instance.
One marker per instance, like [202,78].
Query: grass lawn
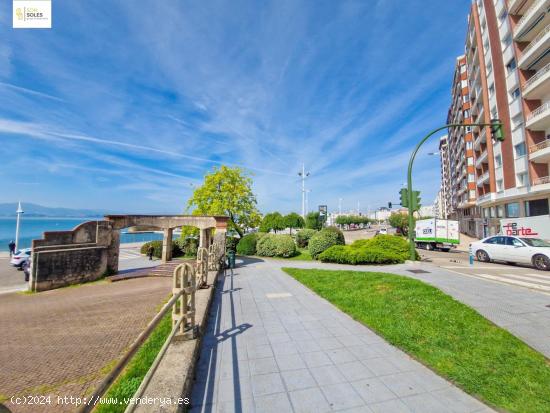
[130,379]
[303,255]
[444,334]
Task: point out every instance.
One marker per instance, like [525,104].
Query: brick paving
[272,345]
[57,342]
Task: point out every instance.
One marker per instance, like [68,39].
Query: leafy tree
[293,220]
[273,221]
[401,222]
[313,221]
[227,191]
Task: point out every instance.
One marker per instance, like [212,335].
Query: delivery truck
[433,233]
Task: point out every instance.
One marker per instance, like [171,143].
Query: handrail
[538,111]
[526,15]
[537,75]
[539,146]
[536,40]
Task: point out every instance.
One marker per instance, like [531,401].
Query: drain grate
[418,271]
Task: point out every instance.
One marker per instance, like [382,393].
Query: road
[517,275]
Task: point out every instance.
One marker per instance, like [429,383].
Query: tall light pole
[18,212]
[303,175]
[339,206]
[307,200]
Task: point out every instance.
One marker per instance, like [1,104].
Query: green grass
[303,255]
[130,379]
[444,334]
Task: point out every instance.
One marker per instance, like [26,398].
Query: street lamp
[496,133]
[303,175]
[19,212]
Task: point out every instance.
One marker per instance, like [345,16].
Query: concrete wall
[62,258]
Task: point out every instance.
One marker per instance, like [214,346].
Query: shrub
[231,243]
[188,245]
[247,244]
[313,221]
[325,239]
[303,237]
[271,245]
[157,248]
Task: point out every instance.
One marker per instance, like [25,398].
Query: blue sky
[124,105]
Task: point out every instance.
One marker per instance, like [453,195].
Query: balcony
[538,86]
[536,54]
[533,19]
[540,152]
[485,198]
[483,179]
[541,181]
[481,158]
[515,6]
[539,119]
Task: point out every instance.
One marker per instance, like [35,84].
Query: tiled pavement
[274,346]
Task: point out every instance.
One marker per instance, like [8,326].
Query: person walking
[150,252]
[11,245]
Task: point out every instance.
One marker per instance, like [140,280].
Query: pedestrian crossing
[540,281]
[126,254]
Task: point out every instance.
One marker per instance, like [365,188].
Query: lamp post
[18,212]
[303,175]
[496,132]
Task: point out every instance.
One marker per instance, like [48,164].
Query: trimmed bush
[188,246]
[247,244]
[157,249]
[303,236]
[271,245]
[382,249]
[325,239]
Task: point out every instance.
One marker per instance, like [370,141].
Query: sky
[125,105]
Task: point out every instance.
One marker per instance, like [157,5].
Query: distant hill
[34,210]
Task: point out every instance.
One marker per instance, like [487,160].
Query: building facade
[507,76]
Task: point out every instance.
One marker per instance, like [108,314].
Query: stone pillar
[114,250]
[204,240]
[167,245]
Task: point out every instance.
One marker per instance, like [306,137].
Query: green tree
[313,221]
[227,191]
[273,221]
[401,222]
[293,220]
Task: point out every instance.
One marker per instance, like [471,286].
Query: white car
[20,257]
[532,251]
[383,231]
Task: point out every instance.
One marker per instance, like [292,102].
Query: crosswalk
[127,254]
[535,281]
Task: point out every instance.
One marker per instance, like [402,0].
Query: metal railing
[483,178]
[538,111]
[536,40]
[527,16]
[539,146]
[541,181]
[540,73]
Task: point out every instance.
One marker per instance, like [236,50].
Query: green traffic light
[496,130]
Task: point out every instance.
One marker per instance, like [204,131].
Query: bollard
[231,259]
[471,257]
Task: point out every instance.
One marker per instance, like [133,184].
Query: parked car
[532,251]
[382,231]
[20,257]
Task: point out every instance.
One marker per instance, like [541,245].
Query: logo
[512,229]
[32,14]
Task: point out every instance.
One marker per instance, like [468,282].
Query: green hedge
[325,239]
[382,249]
[303,236]
[247,244]
[271,245]
[157,249]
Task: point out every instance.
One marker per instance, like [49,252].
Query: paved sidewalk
[274,346]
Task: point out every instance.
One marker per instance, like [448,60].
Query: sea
[32,228]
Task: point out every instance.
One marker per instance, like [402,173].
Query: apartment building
[444,197]
[507,60]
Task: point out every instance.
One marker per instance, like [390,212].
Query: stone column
[167,245]
[204,240]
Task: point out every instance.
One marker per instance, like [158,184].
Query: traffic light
[496,130]
[389,205]
[416,201]
[404,197]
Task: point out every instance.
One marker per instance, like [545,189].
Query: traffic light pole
[409,173]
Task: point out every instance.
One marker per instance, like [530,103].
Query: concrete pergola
[168,223]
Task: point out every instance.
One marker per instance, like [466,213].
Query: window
[489,68]
[500,211]
[466,114]
[511,66]
[491,89]
[498,161]
[520,150]
[536,207]
[507,41]
[487,212]
[499,185]
[502,16]
[515,93]
[472,194]
[512,210]
[492,240]
[517,121]
[522,179]
[471,177]
[469,145]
